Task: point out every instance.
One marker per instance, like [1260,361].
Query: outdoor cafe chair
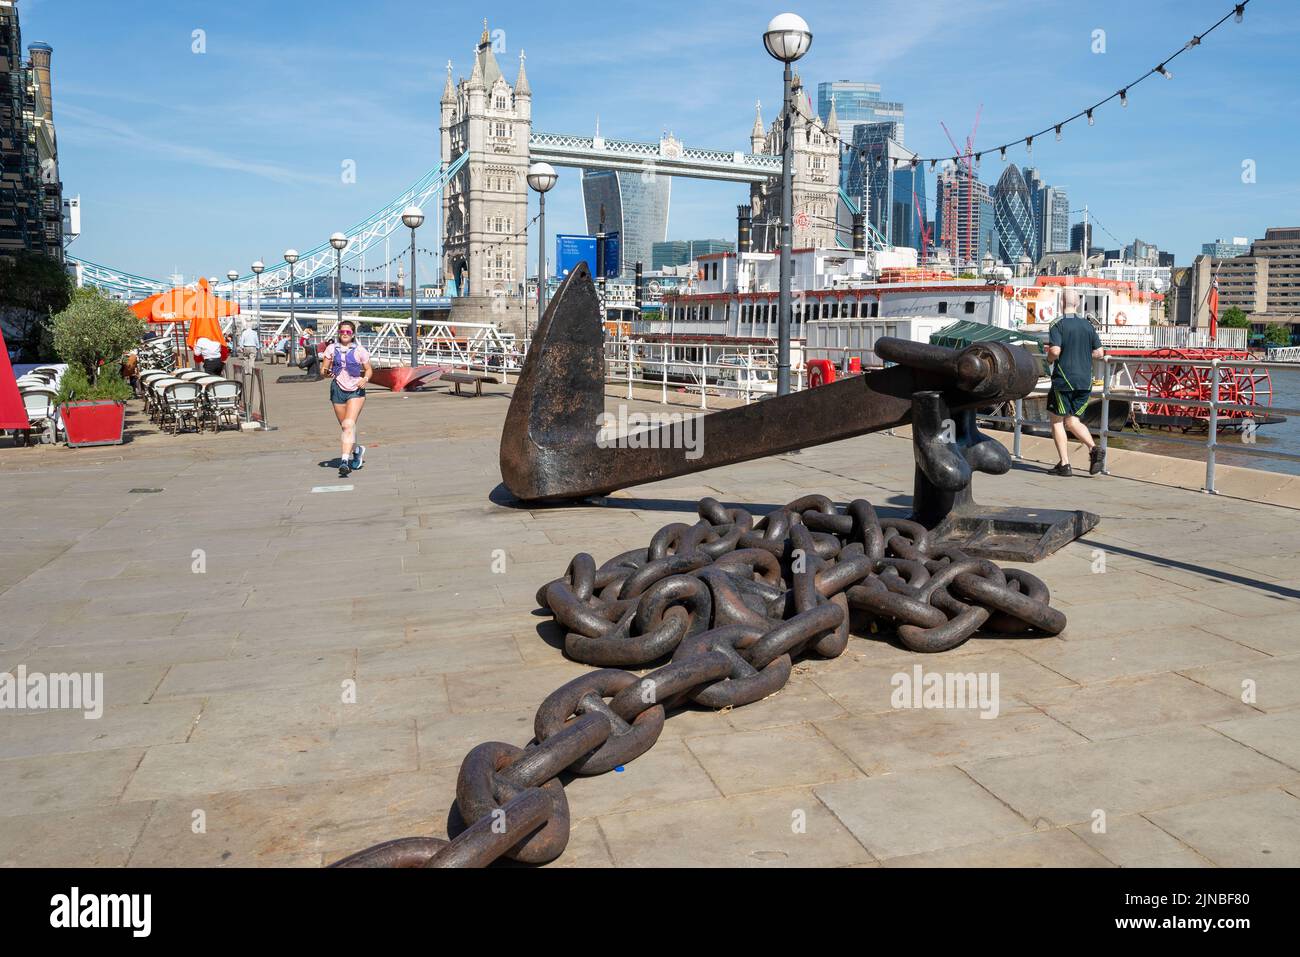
[39,404]
[157,397]
[182,403]
[223,400]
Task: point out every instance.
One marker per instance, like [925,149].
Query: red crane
[966,161]
[926,233]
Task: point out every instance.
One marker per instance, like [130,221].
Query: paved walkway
[230,613]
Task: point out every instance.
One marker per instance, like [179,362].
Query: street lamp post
[232,275]
[339,242]
[291,257]
[257,268]
[541,177]
[412,217]
[787,38]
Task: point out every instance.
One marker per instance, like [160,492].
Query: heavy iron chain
[730,603]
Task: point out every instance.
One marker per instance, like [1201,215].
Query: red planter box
[93,423]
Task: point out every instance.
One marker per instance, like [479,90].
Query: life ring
[820,372]
[1045,314]
[1121,319]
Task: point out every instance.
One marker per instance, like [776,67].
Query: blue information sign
[612,256]
[571,250]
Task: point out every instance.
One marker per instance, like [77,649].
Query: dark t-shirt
[1077,339]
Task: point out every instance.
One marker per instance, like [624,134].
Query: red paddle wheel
[1237,385]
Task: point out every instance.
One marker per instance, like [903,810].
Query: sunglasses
[345,332]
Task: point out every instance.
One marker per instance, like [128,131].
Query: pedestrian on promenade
[349,365]
[1072,345]
[250,343]
[310,361]
[208,352]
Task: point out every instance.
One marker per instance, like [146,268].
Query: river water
[1284,436]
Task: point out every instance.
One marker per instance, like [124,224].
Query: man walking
[1073,344]
[250,343]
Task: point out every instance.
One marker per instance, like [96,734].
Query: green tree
[93,330]
[1234,318]
[32,288]
[1277,334]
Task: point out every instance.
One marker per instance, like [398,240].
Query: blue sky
[203,162]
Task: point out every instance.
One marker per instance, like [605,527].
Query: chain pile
[730,603]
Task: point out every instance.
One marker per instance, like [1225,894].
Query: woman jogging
[349,365]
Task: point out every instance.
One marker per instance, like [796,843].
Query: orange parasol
[199,307]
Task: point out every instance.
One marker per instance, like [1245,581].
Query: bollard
[663,395]
[1105,410]
[1212,433]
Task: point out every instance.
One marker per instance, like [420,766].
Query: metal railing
[1214,405]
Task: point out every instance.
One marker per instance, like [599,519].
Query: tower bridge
[487,143]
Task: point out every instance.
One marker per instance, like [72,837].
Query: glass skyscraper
[1013,212]
[635,207]
[889,194]
[1051,208]
[864,118]
[858,103]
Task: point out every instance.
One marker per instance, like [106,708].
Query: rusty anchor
[550,451]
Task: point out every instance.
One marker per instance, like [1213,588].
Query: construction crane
[966,161]
[926,233]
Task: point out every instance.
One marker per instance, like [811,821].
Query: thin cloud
[99,128]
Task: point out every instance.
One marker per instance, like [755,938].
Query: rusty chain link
[729,603]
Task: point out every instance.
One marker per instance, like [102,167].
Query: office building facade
[635,206]
[1223,249]
[1051,208]
[964,222]
[679,252]
[1264,284]
[31,193]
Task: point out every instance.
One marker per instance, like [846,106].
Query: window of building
[943,309]
[970,308]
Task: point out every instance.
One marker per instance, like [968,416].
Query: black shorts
[340,395]
[213,366]
[1061,401]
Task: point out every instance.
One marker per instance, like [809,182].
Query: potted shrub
[93,414]
[91,335]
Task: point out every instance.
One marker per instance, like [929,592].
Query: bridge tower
[485,206]
[815,176]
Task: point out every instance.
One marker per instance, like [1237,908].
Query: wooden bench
[458,379]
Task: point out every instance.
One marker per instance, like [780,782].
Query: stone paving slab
[230,691]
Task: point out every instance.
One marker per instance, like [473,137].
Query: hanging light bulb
[1091,121]
[1239,11]
[1003,153]
[1167,74]
[932,162]
[1193,42]
[1123,97]
[1029,145]
[1058,132]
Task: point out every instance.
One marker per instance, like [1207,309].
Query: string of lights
[1088,112]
